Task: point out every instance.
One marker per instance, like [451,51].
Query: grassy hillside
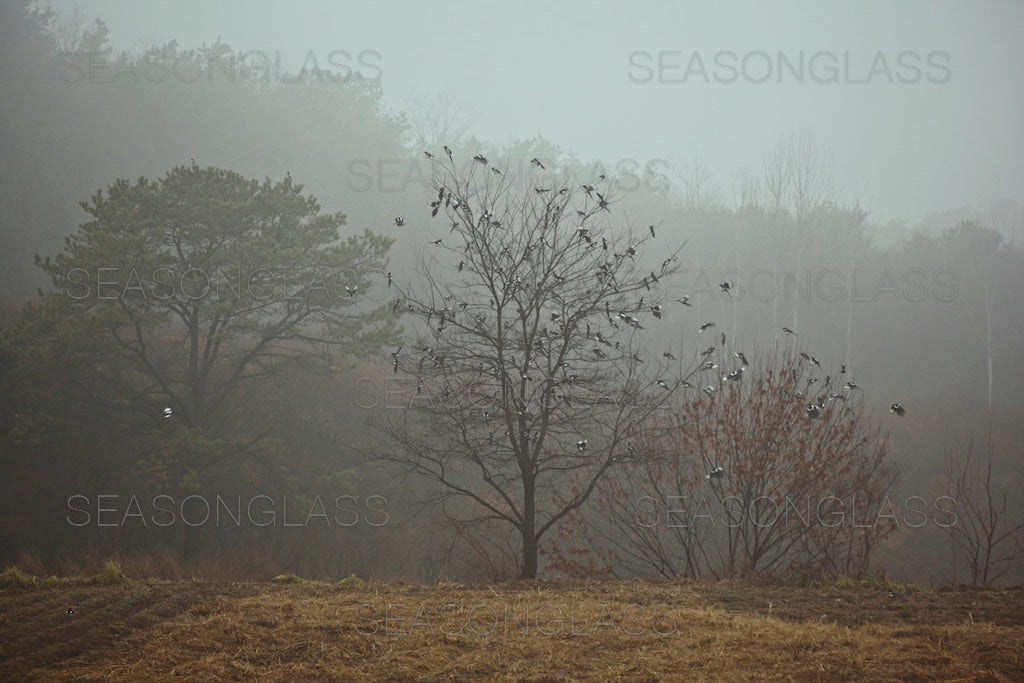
[289,629]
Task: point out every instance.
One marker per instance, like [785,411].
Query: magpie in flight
[897,408]
[536,162]
[716,473]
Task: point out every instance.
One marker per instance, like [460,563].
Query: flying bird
[897,408]
[448,152]
[394,357]
[651,228]
[399,221]
[734,376]
[704,326]
[716,473]
[480,158]
[168,413]
[581,445]
[536,162]
[789,331]
[725,287]
[685,300]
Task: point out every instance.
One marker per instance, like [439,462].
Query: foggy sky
[935,126]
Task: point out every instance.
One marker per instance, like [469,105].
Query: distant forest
[192,429]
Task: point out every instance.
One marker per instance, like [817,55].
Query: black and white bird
[448,152]
[394,357]
[662,383]
[399,221]
[389,279]
[813,410]
[581,445]
[716,473]
[685,300]
[727,288]
[651,228]
[734,376]
[656,311]
[480,158]
[536,162]
[789,331]
[704,326]
[897,408]
[168,412]
[69,611]
[351,291]
[743,359]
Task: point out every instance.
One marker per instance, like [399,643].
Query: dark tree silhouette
[527,372]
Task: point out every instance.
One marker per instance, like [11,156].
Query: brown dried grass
[613,631]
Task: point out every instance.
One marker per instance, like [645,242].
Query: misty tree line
[276,401]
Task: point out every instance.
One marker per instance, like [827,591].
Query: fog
[838,187]
[678,81]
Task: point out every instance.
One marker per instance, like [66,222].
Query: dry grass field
[292,630]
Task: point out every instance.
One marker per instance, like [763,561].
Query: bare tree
[528,371]
[748,479]
[436,119]
[989,538]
